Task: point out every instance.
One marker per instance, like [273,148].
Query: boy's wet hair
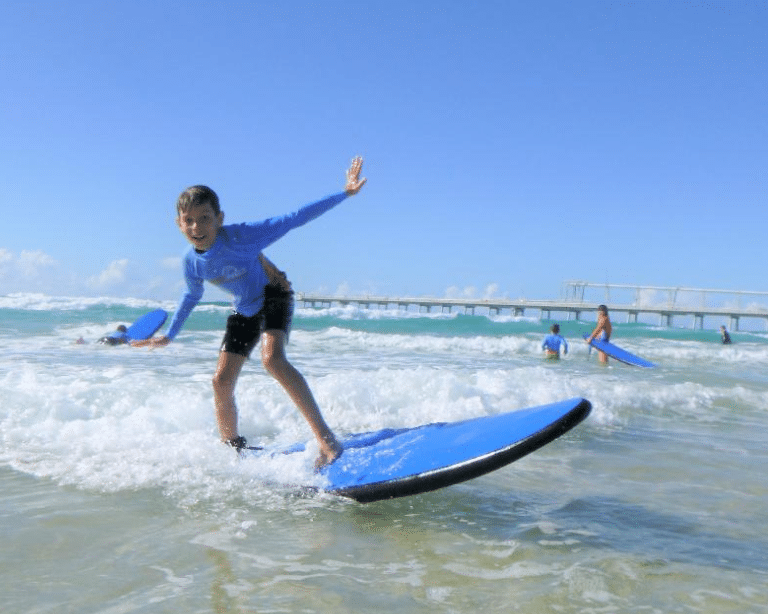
[196,196]
[603,309]
[555,328]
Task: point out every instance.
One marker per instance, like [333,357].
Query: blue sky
[509,146]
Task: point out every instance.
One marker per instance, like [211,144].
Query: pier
[677,304]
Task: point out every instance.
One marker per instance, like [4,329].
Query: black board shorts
[243,332]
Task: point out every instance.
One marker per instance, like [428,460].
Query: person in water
[602,331]
[726,338]
[553,341]
[117,338]
[231,258]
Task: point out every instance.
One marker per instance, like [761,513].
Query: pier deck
[572,309]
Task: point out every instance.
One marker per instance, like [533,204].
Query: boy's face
[200,225]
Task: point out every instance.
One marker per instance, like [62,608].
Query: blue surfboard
[143,328]
[399,462]
[621,355]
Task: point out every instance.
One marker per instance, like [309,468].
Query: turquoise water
[117,496]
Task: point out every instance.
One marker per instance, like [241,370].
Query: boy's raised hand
[354,183]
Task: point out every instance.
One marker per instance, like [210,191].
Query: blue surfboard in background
[399,462]
[143,328]
[621,355]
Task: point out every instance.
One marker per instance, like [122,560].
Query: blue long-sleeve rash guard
[233,264]
[552,342]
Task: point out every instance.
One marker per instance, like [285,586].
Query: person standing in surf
[231,258]
[602,331]
[552,343]
[724,336]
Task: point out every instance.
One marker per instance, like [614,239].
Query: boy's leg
[275,361]
[224,381]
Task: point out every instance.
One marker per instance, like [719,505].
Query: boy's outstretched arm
[154,342]
[354,183]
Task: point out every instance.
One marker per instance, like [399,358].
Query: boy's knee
[273,362]
[222,382]
[269,361]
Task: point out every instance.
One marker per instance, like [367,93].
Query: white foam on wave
[123,419]
[119,429]
[361,341]
[44,302]
[116,419]
[355,312]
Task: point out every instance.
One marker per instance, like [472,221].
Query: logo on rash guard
[230,273]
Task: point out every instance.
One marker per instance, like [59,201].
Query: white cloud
[31,264]
[114,274]
[452,292]
[172,263]
[343,289]
[36,271]
[471,292]
[28,266]
[456,292]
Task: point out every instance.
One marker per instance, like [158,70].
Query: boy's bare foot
[329,452]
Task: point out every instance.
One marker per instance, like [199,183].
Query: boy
[552,342]
[230,257]
[604,329]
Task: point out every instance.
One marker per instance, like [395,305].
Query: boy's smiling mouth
[200,241]
[201,217]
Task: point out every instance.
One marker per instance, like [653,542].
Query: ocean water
[118,498]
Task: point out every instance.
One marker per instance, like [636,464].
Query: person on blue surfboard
[724,336]
[119,337]
[231,258]
[552,343]
[602,331]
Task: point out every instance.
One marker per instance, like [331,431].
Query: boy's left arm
[265,233]
[354,183]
